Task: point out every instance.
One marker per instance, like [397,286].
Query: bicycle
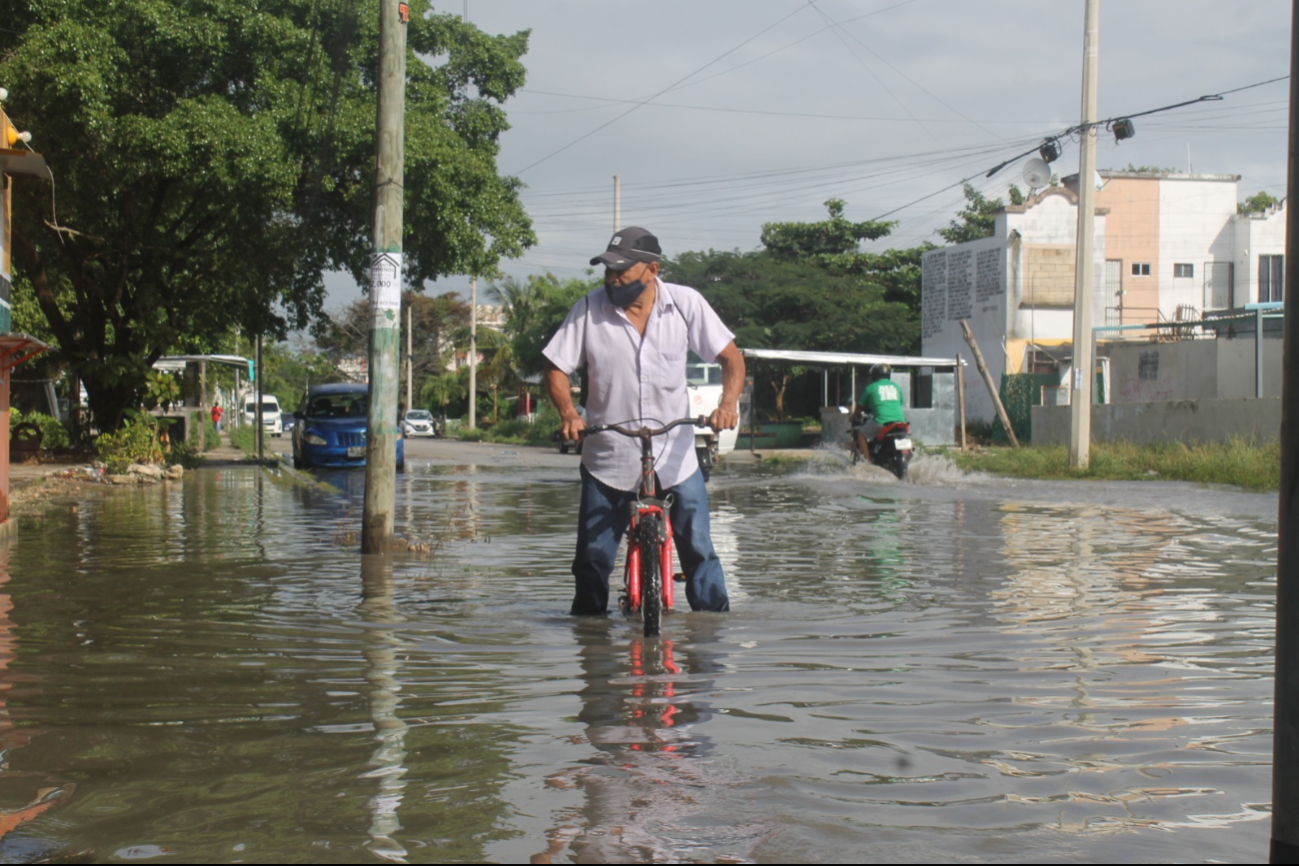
[647,583]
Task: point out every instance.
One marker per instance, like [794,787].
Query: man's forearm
[560,393]
[731,361]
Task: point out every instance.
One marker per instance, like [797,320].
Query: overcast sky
[723,115]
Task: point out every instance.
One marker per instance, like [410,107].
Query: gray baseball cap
[629,246]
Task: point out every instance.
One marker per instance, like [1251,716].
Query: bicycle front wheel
[651,576]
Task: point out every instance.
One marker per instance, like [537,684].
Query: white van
[271,422]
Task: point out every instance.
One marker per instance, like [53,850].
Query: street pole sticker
[385,288]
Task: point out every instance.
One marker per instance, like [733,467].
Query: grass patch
[1238,462]
[244,437]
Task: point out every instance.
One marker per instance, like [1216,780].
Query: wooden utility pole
[1080,397]
[1285,727]
[385,282]
[960,396]
[987,380]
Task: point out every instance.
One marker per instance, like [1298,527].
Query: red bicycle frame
[647,505]
[632,577]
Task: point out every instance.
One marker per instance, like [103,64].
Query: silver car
[417,422]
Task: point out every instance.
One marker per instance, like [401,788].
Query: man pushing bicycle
[633,336]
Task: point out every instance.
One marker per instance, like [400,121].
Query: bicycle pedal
[679,577]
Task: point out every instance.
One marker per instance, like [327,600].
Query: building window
[1184,271]
[1271,279]
[1141,269]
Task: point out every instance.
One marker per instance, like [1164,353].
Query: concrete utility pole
[385,282]
[410,361]
[257,415]
[617,203]
[1080,396]
[473,324]
[1285,728]
[473,353]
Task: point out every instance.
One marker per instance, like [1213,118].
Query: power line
[664,90]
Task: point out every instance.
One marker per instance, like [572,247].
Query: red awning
[16,348]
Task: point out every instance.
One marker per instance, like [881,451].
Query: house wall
[1194,228]
[1255,235]
[1133,236]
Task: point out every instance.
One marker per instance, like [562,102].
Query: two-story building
[1169,247]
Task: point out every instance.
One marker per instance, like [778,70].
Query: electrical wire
[611,121]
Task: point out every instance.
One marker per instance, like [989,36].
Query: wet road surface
[954,669]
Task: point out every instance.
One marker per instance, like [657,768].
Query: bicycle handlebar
[647,432]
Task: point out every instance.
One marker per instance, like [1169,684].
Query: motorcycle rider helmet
[880,371]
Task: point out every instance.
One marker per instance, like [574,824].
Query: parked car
[419,422]
[287,421]
[331,427]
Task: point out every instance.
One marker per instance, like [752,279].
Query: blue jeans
[602,523]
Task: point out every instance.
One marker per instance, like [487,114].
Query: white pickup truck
[704,388]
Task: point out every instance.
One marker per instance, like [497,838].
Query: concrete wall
[1176,421]
[966,281]
[937,425]
[1191,369]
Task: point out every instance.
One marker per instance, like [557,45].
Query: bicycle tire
[651,577]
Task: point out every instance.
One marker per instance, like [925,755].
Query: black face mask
[624,296]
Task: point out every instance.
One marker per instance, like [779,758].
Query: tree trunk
[779,387]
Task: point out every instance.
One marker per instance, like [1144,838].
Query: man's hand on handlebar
[724,418]
[572,428]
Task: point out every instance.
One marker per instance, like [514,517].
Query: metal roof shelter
[176,363]
[934,424]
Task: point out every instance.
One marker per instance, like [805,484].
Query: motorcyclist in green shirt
[880,405]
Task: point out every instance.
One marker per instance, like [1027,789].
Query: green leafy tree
[534,310]
[1259,202]
[978,219]
[287,372]
[439,326]
[215,157]
[443,390]
[811,288]
[833,237]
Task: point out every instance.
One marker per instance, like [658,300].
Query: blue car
[331,428]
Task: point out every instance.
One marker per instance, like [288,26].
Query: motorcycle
[891,448]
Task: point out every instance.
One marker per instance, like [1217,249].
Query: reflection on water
[955,669]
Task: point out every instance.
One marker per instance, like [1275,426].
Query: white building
[1168,247]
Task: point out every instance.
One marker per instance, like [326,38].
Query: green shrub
[464,434]
[53,434]
[200,423]
[136,442]
[185,454]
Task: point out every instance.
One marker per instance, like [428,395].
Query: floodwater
[951,670]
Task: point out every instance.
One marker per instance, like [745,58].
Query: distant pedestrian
[216,416]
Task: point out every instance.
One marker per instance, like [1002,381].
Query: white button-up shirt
[637,380]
